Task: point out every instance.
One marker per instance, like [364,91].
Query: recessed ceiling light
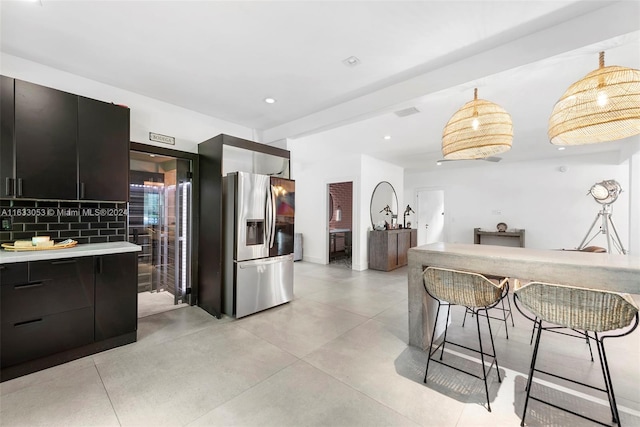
[438,163]
[387,137]
[561,148]
[270,100]
[152,155]
[351,61]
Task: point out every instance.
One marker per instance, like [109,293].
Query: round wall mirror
[384,205]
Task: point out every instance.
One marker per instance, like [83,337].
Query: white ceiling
[222,58]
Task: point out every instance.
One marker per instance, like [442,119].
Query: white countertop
[87,249]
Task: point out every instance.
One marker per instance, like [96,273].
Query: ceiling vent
[407,112]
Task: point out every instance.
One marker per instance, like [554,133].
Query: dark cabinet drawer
[54,287]
[11,274]
[46,335]
[60,268]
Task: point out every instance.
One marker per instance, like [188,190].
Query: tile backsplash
[86,222]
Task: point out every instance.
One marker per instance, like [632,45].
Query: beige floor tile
[322,401]
[301,326]
[372,360]
[77,399]
[177,381]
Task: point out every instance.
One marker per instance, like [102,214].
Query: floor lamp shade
[477,130]
[602,106]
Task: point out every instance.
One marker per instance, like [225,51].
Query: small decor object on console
[501,226]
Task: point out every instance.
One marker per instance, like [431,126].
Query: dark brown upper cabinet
[7,147]
[46,135]
[103,150]
[60,146]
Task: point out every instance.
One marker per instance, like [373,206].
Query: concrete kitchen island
[620,273]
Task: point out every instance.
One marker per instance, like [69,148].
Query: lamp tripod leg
[605,229]
[617,238]
[582,244]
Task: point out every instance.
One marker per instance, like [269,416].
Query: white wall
[147,114]
[552,206]
[312,204]
[634,204]
[315,164]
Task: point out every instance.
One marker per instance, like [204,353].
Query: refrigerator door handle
[273,216]
[268,217]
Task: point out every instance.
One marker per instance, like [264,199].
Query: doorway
[160,217]
[340,218]
[430,216]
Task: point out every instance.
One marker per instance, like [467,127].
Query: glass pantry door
[160,222]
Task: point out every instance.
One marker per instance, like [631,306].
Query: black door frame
[195,199]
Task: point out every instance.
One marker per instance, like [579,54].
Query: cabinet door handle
[28,286]
[8,186]
[99,265]
[82,190]
[66,261]
[19,190]
[27,322]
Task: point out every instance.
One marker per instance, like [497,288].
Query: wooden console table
[388,248]
[507,235]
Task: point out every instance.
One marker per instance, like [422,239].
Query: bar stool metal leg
[607,379]
[446,328]
[433,334]
[530,379]
[484,371]
[510,312]
[493,347]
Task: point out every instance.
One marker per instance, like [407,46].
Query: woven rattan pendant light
[603,106]
[477,130]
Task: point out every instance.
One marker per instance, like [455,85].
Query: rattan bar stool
[470,290]
[504,310]
[591,310]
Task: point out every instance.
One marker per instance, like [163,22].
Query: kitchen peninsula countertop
[80,250]
[613,272]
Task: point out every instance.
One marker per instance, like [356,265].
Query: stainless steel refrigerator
[259,235]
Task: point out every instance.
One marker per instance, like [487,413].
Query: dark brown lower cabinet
[116,295]
[54,311]
[388,248]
